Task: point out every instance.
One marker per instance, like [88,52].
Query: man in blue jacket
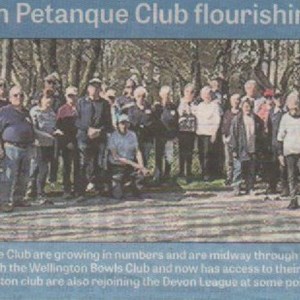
[93,123]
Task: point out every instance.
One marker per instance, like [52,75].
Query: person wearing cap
[126,102]
[125,160]
[289,144]
[3,93]
[16,140]
[44,120]
[166,131]
[66,118]
[141,122]
[52,81]
[93,122]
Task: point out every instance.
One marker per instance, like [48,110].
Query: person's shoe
[236,192]
[293,204]
[30,195]
[67,196]
[250,192]
[270,191]
[7,207]
[23,203]
[81,199]
[285,192]
[188,179]
[42,200]
[136,192]
[90,187]
[228,182]
[206,178]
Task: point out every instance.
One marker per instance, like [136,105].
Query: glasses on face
[51,82]
[21,95]
[71,95]
[111,97]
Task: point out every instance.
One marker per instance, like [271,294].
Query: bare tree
[7,59]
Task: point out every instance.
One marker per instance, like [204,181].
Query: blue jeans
[17,164]
[244,170]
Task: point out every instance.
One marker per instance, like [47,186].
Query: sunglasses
[18,95]
[111,97]
[71,95]
[50,82]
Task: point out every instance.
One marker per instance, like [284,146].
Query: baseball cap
[123,118]
[71,90]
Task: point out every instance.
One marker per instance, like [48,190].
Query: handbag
[187,123]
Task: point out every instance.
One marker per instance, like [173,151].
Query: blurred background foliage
[153,63]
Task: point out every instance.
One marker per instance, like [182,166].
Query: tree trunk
[196,66]
[91,66]
[75,63]
[7,59]
[37,60]
[258,73]
[52,59]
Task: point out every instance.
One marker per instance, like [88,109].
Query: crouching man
[126,162]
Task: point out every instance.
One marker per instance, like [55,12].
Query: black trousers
[292,169]
[205,151]
[90,164]
[120,175]
[54,163]
[186,148]
[160,144]
[70,163]
[44,158]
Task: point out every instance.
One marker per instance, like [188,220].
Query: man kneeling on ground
[126,162]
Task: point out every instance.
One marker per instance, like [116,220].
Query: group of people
[105,141]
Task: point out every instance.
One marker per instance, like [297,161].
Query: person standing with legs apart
[289,144]
[229,115]
[93,122]
[44,120]
[166,131]
[66,118]
[208,116]
[275,171]
[16,140]
[186,135]
[245,141]
[141,122]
